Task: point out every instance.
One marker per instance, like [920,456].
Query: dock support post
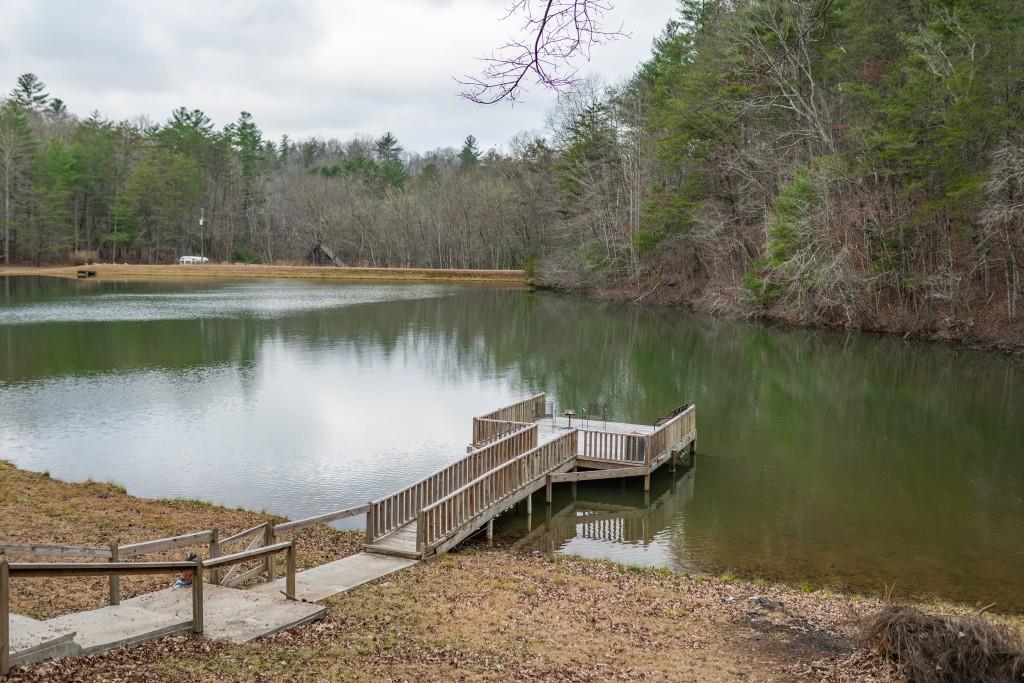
[529,505]
[289,585]
[647,481]
[5,623]
[268,539]
[197,598]
[693,448]
[574,485]
[215,552]
[547,489]
[490,532]
[115,580]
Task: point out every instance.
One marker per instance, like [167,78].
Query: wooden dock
[514,452]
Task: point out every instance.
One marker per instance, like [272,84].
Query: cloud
[303,67]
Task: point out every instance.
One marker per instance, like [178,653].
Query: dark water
[846,460]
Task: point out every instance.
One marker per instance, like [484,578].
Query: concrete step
[121,625]
[232,614]
[35,641]
[342,575]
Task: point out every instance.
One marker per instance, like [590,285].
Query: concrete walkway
[342,575]
[229,614]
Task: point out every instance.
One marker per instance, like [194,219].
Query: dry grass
[929,648]
[476,615]
[37,509]
[124,271]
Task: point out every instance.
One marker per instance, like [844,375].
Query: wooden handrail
[669,434]
[243,535]
[527,410]
[11,570]
[387,514]
[447,515]
[53,550]
[42,569]
[162,544]
[245,555]
[486,430]
[290,527]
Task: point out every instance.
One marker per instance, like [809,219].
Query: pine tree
[388,148]
[469,157]
[30,92]
[17,152]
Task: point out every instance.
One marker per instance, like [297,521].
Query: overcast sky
[332,68]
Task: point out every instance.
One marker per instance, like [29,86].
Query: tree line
[856,163]
[135,191]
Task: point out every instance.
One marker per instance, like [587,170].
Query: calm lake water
[846,460]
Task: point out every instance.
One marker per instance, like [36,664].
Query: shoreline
[482,613]
[108,271]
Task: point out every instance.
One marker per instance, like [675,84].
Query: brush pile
[945,648]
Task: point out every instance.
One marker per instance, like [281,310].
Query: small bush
[939,649]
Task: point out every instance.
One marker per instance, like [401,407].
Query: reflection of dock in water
[611,522]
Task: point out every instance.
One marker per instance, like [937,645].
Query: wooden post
[5,619]
[672,460]
[421,533]
[490,532]
[529,505]
[197,597]
[214,553]
[115,580]
[647,481]
[289,585]
[369,523]
[547,489]
[268,539]
[574,485]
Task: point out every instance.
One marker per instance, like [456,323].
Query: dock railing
[388,514]
[526,410]
[613,446]
[670,433]
[440,520]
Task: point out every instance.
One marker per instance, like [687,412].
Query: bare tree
[555,34]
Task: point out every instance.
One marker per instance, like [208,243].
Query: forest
[848,163]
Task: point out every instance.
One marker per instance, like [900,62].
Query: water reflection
[854,460]
[607,519]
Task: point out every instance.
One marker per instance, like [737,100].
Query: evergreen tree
[17,154]
[469,157]
[387,148]
[30,92]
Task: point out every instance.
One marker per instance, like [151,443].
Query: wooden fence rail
[388,514]
[292,527]
[14,570]
[613,446]
[526,410]
[441,519]
[669,434]
[486,431]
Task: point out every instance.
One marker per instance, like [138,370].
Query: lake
[845,460]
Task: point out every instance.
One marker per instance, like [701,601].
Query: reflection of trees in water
[605,513]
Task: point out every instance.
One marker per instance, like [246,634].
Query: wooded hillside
[855,163]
